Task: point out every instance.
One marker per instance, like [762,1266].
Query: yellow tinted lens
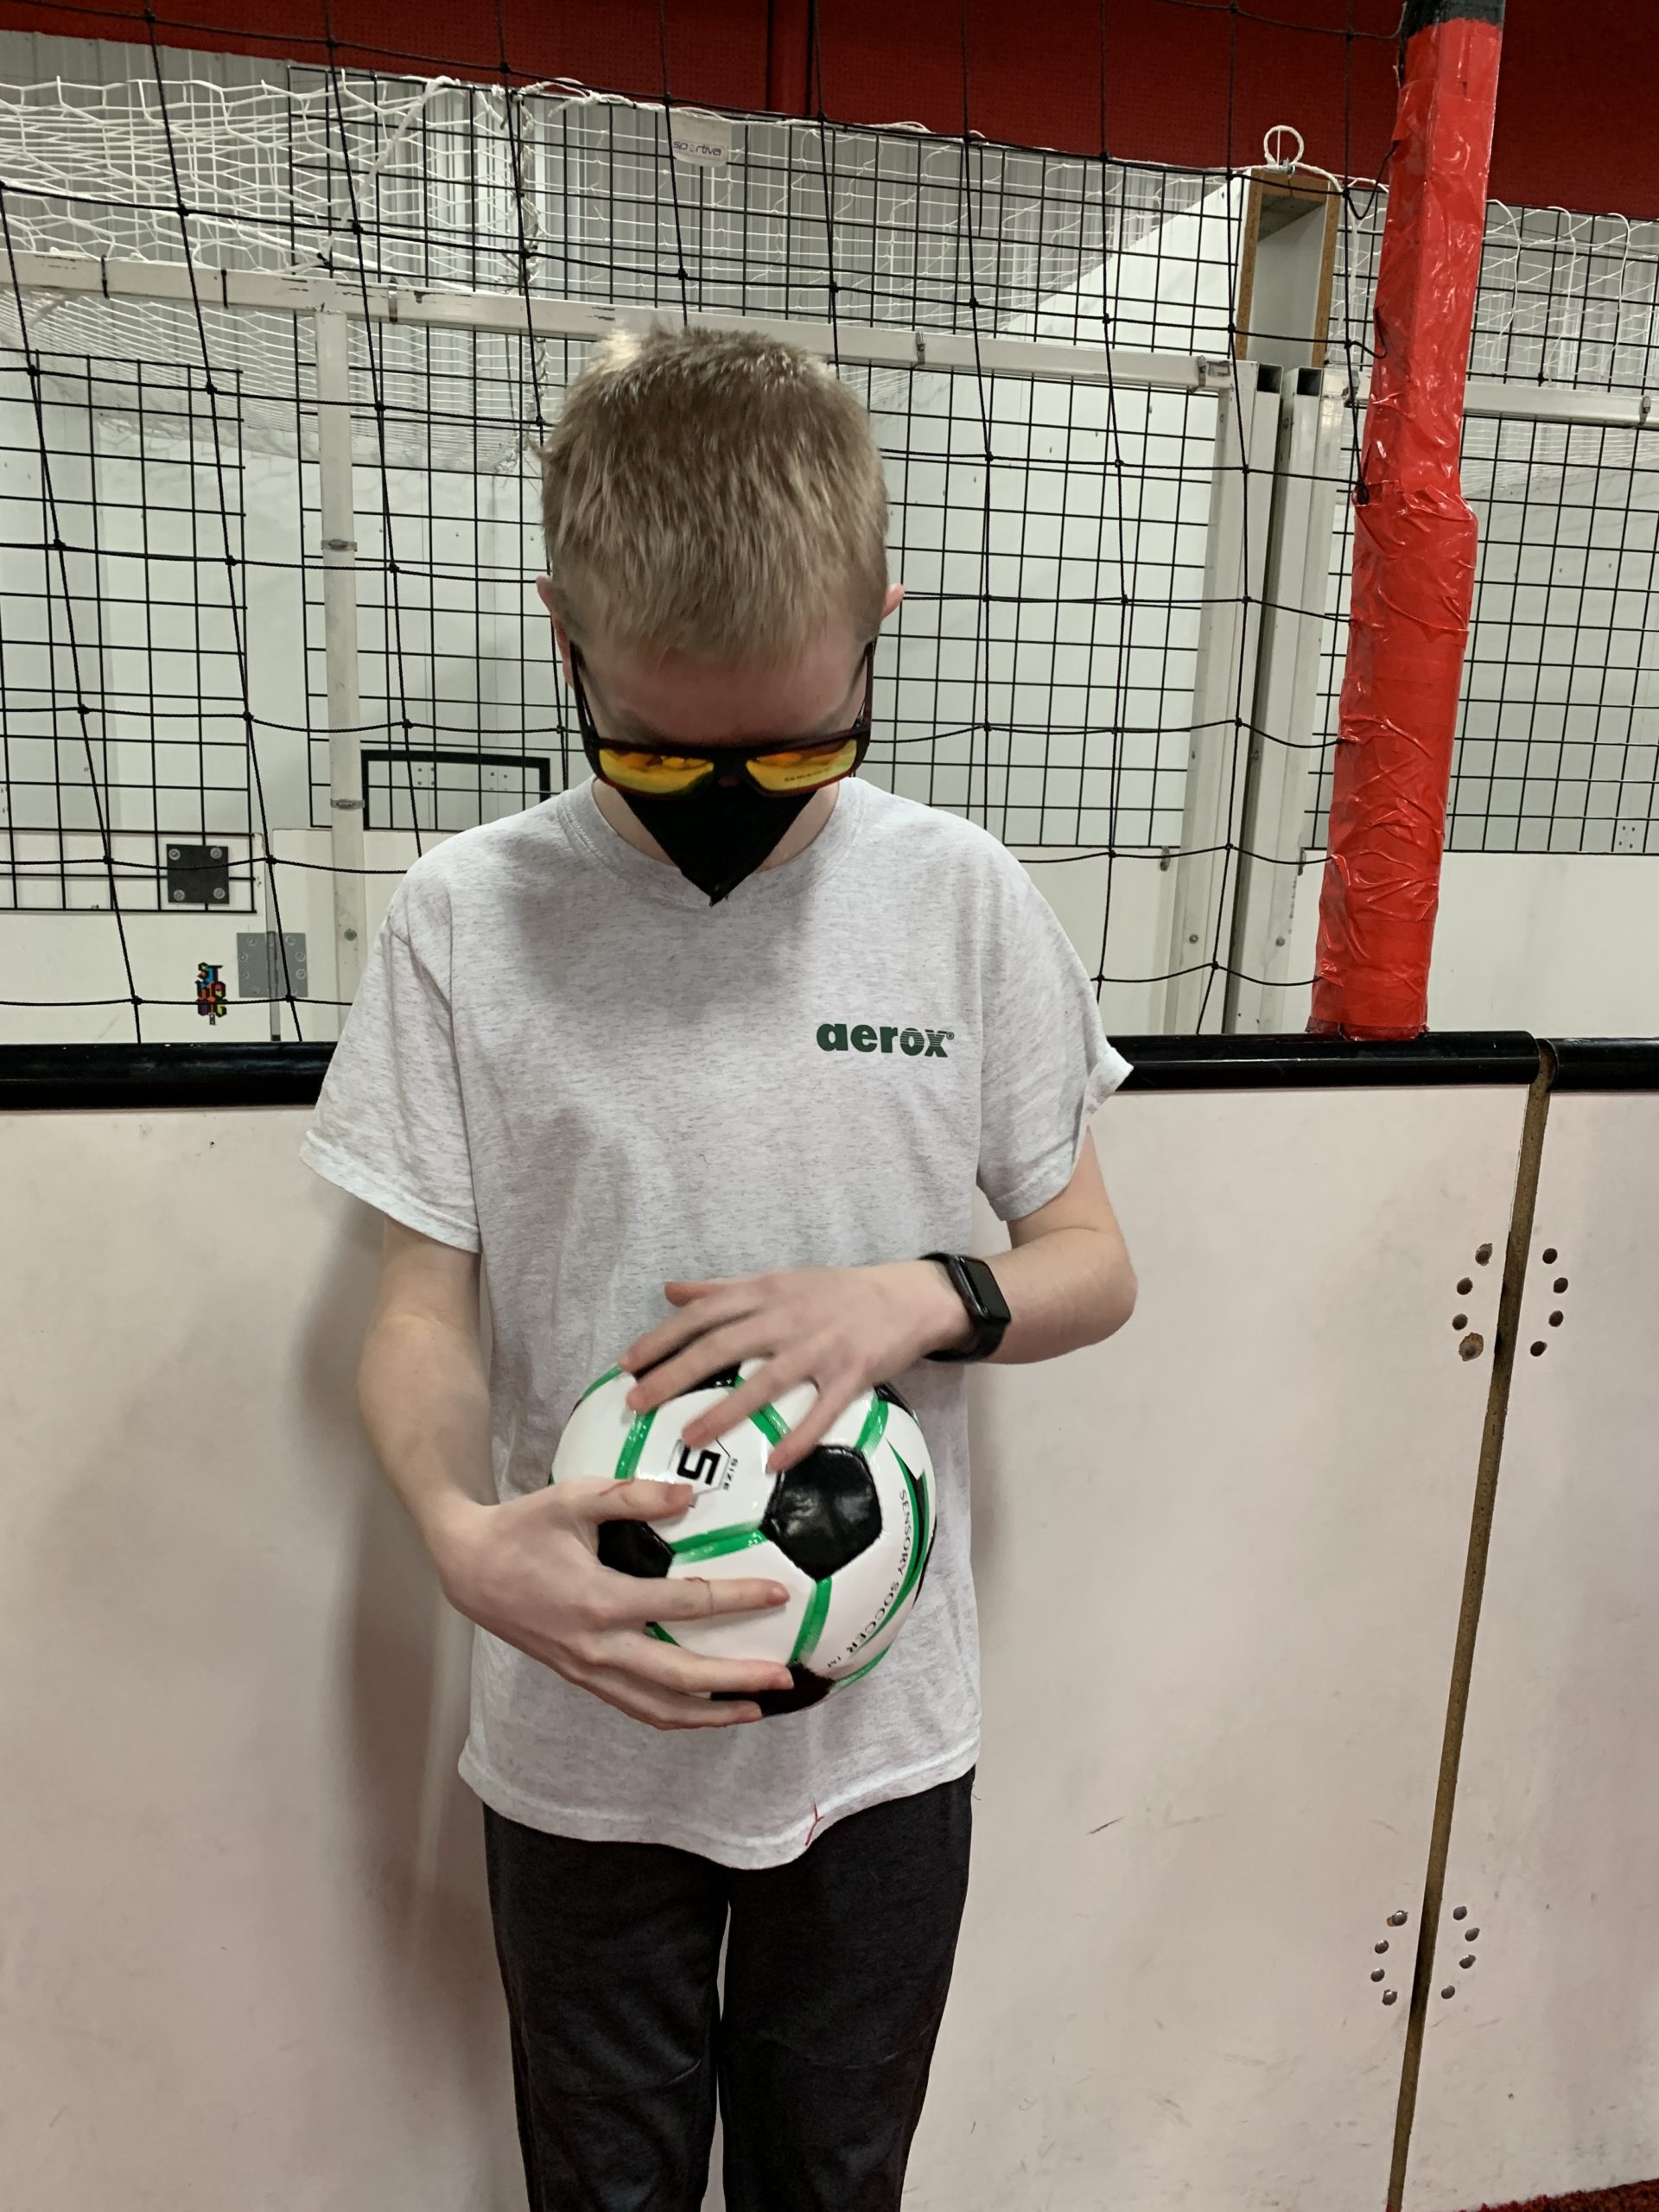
[805,768]
[660,774]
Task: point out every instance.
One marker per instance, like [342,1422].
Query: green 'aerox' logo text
[866,1037]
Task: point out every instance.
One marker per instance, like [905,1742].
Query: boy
[703,1057]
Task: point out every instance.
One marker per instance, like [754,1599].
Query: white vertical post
[1235,565]
[341,649]
[1284,753]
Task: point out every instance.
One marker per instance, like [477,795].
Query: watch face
[991,1302]
[982,1301]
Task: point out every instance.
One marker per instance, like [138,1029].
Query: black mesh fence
[1088,421]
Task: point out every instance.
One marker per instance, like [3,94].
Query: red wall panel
[1189,81]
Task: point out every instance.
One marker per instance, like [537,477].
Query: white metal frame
[1235,568]
[867,345]
[1309,482]
[340,650]
[1486,399]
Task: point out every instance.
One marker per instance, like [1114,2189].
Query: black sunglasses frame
[858,731]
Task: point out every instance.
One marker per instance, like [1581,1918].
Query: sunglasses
[784,767]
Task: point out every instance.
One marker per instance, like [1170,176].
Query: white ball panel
[745,1636]
[903,1435]
[594,1436]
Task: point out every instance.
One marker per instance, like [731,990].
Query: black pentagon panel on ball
[805,1688]
[723,1378]
[633,1548]
[825,1511]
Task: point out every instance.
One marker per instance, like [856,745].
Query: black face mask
[717,836]
[728,825]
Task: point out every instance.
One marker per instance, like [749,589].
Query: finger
[766,1384]
[832,1401]
[648,1352]
[695,1598]
[727,1346]
[644,1499]
[661,1708]
[734,1288]
[645,1352]
[667,1667]
[632,1671]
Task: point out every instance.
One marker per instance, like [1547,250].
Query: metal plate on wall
[198,876]
[253,965]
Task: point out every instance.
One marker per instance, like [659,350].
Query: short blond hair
[712,492]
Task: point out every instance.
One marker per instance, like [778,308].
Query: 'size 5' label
[710,1467]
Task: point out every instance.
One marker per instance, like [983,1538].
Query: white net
[1564,298]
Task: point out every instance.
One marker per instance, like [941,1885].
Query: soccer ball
[847,1531]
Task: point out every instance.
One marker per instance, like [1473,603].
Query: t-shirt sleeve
[389,1126]
[1046,1064]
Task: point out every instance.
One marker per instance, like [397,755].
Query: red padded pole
[1414,568]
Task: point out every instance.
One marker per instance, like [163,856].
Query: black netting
[1121,639]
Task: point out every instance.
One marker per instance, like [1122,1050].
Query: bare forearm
[425,1404]
[1065,1288]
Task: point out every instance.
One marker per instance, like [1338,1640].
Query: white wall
[1219,1566]
[1559,944]
[1550,891]
[247,1957]
[1088,547]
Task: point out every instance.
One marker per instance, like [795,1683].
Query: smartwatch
[988,1309]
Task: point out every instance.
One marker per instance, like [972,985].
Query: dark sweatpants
[836,1970]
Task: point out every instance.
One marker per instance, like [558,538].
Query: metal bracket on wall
[254,964]
[198,876]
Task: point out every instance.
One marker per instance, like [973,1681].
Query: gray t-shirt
[561,1055]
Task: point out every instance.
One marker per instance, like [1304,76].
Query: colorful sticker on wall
[210,990]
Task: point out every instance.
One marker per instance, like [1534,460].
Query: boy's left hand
[841,1329]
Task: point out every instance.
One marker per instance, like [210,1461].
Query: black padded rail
[1604,1062]
[1423,14]
[59,1078]
[1249,1063]
[64,1078]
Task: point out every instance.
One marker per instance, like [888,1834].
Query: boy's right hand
[528,1571]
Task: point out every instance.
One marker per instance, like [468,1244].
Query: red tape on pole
[1414,568]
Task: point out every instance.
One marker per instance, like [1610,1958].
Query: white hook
[1272,141]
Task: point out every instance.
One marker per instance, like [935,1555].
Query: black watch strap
[986,1308]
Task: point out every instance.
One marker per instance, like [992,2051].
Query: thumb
[647,1498]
